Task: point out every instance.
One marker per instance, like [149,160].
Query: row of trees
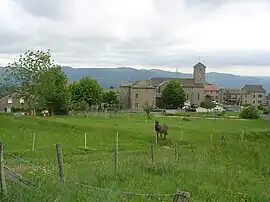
[43,85]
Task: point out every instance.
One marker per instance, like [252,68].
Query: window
[136,105]
[136,95]
[21,101]
[259,101]
[254,96]
[211,91]
[260,96]
[198,96]
[187,96]
[10,100]
[253,101]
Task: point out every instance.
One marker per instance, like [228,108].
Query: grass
[238,170]
[234,115]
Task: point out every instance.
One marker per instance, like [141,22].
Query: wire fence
[182,194]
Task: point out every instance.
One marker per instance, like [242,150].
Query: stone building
[249,94]
[135,95]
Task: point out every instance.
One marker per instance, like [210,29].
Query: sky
[228,36]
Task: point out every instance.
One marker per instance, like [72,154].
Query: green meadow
[191,159]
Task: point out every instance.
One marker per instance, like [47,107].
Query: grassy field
[238,170]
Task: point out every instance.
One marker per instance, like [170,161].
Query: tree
[110,97]
[250,113]
[81,106]
[173,95]
[25,73]
[52,91]
[88,90]
[207,104]
[148,109]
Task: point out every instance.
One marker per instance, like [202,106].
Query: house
[136,95]
[249,94]
[268,99]
[254,95]
[11,101]
[230,96]
[213,91]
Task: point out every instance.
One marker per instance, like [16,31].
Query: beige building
[250,94]
[11,101]
[136,95]
[213,91]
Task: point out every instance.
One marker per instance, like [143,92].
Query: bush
[222,113]
[250,113]
[266,112]
[186,119]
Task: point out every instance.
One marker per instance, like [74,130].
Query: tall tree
[173,95]
[110,97]
[25,73]
[88,90]
[52,90]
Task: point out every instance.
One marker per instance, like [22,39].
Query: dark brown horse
[161,129]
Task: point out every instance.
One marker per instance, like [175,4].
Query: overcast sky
[228,35]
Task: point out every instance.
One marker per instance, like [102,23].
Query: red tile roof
[211,87]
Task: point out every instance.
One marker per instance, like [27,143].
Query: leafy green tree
[208,104]
[25,73]
[80,106]
[110,97]
[52,90]
[173,94]
[88,90]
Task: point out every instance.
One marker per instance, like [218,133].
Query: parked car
[190,109]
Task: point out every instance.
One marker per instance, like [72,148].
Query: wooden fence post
[2,174]
[33,143]
[181,196]
[85,140]
[175,151]
[116,154]
[60,162]
[153,149]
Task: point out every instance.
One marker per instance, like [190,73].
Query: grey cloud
[52,9]
[84,49]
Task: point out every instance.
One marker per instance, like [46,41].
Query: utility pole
[240,99]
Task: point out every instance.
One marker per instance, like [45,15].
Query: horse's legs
[157,136]
[164,136]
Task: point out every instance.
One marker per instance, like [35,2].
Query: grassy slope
[209,171]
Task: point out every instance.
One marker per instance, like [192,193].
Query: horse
[161,129]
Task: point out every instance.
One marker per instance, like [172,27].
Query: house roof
[186,82]
[199,65]
[211,87]
[126,84]
[254,88]
[232,90]
[142,84]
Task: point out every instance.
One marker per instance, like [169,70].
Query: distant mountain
[115,76]
[108,77]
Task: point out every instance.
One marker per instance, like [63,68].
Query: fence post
[175,151]
[85,140]
[153,149]
[116,154]
[2,174]
[60,162]
[181,196]
[33,143]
